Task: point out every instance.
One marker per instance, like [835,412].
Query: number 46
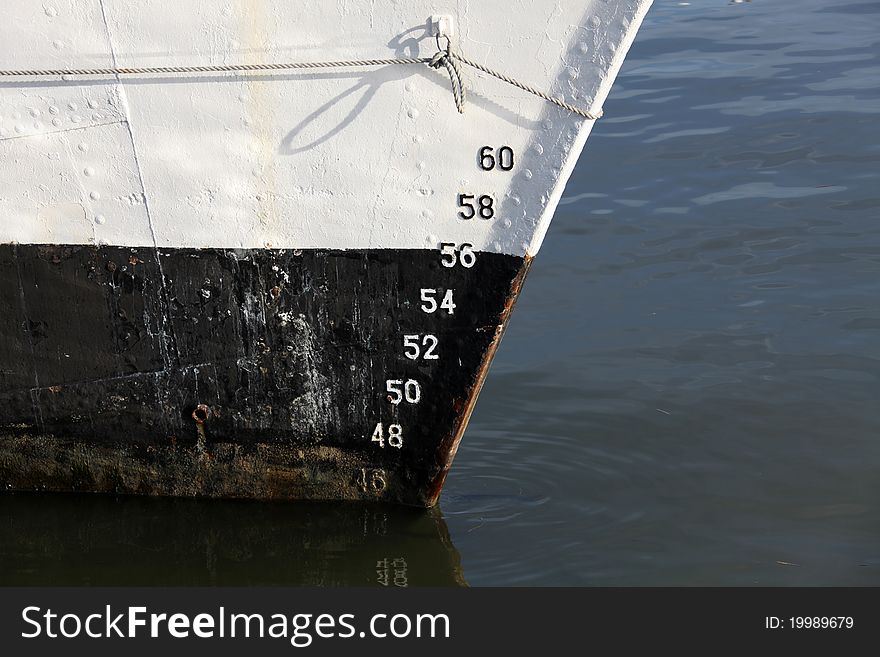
[429,301]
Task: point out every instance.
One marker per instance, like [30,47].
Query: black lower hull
[241,373]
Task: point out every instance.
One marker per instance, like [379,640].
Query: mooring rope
[446,58]
[219,68]
[516,83]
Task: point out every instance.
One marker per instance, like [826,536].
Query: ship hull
[263,373]
[269,252]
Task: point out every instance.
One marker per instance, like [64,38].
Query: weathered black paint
[106,352]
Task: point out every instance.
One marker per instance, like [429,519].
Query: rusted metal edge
[449,447]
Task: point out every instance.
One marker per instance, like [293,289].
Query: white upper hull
[341,158]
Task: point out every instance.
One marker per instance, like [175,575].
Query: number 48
[395,435]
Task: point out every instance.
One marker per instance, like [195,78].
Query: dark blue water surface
[689,391]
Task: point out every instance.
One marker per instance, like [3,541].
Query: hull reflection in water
[97,540]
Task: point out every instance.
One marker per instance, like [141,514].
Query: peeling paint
[242,383]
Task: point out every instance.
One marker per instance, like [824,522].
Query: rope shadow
[407,44]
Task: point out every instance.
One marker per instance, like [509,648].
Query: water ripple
[688,391]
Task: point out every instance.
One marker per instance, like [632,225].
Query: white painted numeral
[448,256]
[430,342]
[395,435]
[398,390]
[429,301]
[372,480]
[379,435]
[465,255]
[413,346]
[448,304]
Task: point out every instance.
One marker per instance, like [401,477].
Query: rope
[221,68]
[540,94]
[444,57]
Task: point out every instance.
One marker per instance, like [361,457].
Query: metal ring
[201,414]
[448,42]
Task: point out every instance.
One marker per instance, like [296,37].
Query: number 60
[488,159]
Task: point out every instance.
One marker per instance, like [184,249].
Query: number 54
[429,301]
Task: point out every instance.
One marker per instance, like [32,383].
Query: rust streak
[449,447]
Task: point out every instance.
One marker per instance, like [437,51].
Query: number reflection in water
[101,540]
